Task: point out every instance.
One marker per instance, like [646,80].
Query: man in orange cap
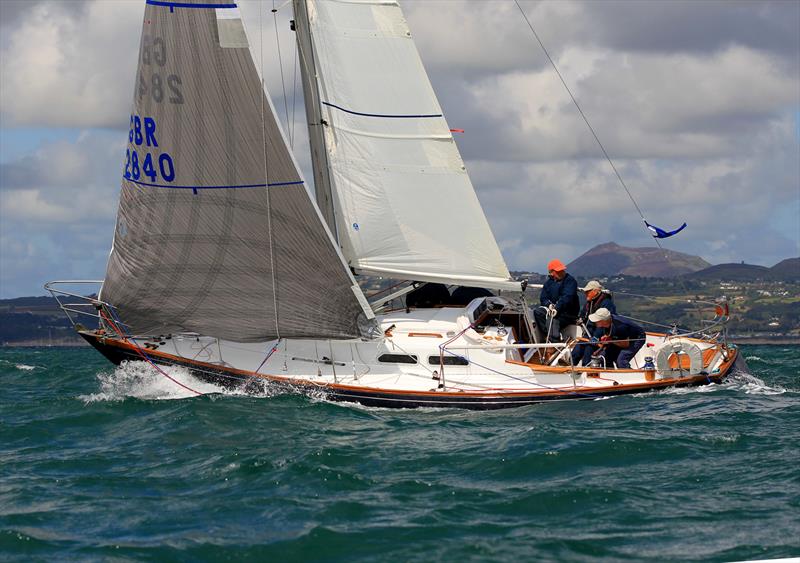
[559,301]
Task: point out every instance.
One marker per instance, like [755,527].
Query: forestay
[404,204]
[216,232]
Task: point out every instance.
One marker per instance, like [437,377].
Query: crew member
[618,339]
[597,297]
[559,301]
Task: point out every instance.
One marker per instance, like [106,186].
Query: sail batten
[216,231]
[403,202]
[383,115]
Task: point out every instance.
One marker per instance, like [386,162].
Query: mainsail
[403,202]
[216,232]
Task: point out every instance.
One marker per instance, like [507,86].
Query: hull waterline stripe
[394,116]
[195,188]
[173,5]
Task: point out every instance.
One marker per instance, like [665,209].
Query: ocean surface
[103,463]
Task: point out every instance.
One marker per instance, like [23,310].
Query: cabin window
[397,359]
[448,361]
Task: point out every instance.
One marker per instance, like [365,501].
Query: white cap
[594,284]
[602,314]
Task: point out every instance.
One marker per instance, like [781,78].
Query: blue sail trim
[391,116]
[173,5]
[195,188]
[661,233]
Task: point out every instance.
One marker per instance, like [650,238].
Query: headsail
[216,232]
[404,204]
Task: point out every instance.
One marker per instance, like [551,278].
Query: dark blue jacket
[564,295]
[605,301]
[621,329]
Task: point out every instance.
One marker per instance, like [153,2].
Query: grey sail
[216,232]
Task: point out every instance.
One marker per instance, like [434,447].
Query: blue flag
[661,233]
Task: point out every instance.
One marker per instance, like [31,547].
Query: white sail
[404,204]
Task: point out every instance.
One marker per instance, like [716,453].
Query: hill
[611,259]
[786,270]
[27,321]
[732,272]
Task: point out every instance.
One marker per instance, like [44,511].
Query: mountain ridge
[611,258]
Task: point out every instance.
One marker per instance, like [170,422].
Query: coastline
[766,341]
[45,344]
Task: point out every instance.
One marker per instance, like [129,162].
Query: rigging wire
[266,173]
[583,115]
[600,144]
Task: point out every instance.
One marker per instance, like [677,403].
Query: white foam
[710,388]
[751,384]
[141,380]
[23,367]
[722,438]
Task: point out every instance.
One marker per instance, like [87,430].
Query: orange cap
[556,266]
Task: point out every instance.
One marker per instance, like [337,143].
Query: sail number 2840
[142,134]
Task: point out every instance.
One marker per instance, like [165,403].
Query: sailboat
[225,262]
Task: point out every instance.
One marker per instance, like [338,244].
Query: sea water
[105,463]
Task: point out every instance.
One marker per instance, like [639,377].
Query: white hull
[364,369]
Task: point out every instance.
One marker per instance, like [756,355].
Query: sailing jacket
[604,301]
[564,295]
[621,329]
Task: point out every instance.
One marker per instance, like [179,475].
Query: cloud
[694,27]
[57,209]
[71,65]
[641,106]
[68,64]
[701,121]
[546,208]
[697,103]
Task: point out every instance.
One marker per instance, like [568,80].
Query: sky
[697,103]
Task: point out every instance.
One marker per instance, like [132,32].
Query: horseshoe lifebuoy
[678,347]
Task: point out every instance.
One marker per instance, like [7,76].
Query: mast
[316,124]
